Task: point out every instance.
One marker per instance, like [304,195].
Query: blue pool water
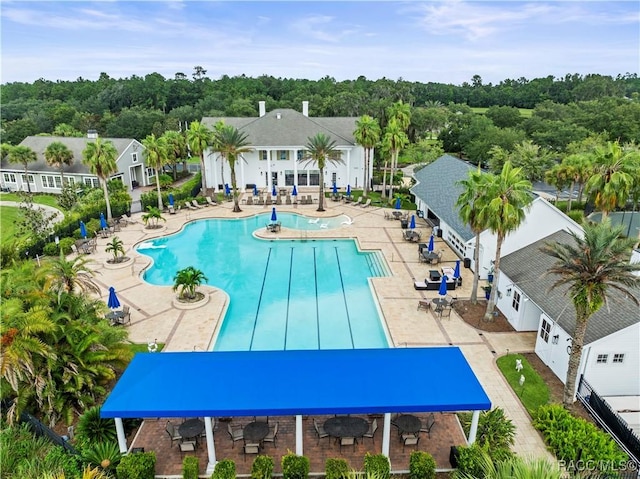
[284,294]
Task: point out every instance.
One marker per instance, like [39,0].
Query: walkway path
[156,317]
[50,209]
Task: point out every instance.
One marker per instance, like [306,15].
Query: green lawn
[534,393]
[143,348]
[40,199]
[8,217]
[524,112]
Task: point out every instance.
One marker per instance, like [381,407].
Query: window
[283,155]
[9,177]
[151,172]
[134,157]
[49,181]
[262,155]
[314,177]
[515,304]
[91,182]
[288,177]
[24,178]
[334,178]
[602,359]
[618,358]
[69,180]
[300,155]
[545,330]
[302,178]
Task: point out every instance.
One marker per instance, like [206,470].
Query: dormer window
[134,157]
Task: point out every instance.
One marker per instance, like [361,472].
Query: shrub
[225,469]
[105,455]
[576,215]
[495,430]
[294,466]
[59,458]
[165,182]
[190,467]
[262,467]
[51,249]
[377,465]
[92,428]
[470,460]
[65,245]
[336,468]
[422,465]
[137,466]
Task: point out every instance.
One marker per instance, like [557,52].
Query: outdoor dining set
[117,316]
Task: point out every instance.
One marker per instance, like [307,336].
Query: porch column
[474,427]
[268,173]
[349,170]
[211,447]
[299,434]
[122,439]
[295,170]
[214,169]
[386,434]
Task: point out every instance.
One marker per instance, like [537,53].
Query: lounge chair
[196,204]
[190,206]
[210,201]
[359,202]
[172,210]
[250,200]
[367,203]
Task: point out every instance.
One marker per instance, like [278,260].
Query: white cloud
[322,27]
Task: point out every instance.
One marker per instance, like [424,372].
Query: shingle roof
[527,268]
[76,145]
[437,187]
[291,129]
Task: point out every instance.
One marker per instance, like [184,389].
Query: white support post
[349,168]
[386,434]
[211,448]
[299,434]
[122,439]
[474,427]
[268,173]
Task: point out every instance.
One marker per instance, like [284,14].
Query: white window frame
[515,303]
[9,177]
[91,182]
[134,157]
[263,155]
[283,155]
[545,330]
[151,172]
[602,358]
[51,181]
[24,177]
[618,358]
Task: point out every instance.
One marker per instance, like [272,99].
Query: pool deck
[156,315]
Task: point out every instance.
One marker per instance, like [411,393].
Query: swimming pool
[284,294]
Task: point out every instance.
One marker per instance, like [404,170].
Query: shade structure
[398,203]
[157,385]
[171,199]
[83,229]
[103,222]
[443,286]
[274,192]
[456,270]
[227,190]
[274,216]
[334,189]
[113,301]
[412,224]
[295,191]
[348,190]
[430,246]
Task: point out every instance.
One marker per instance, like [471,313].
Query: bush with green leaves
[377,465]
[190,467]
[51,249]
[495,429]
[92,428]
[571,438]
[262,467]
[294,466]
[65,245]
[336,468]
[422,465]
[165,181]
[141,465]
[470,459]
[225,469]
[105,455]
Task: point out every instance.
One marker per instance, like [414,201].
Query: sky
[425,41]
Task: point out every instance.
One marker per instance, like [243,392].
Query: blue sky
[443,41]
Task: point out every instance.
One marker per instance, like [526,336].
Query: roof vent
[278,116]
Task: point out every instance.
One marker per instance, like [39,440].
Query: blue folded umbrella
[456,271]
[274,217]
[103,222]
[273,191]
[443,286]
[335,189]
[113,301]
[412,225]
[171,199]
[431,246]
[83,229]
[227,190]
[255,190]
[348,190]
[295,191]
[398,203]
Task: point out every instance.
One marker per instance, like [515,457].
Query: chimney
[93,134]
[305,108]
[262,108]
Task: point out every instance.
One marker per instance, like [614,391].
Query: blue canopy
[443,286]
[273,191]
[255,190]
[348,190]
[398,203]
[103,222]
[83,229]
[335,189]
[113,301]
[274,217]
[165,385]
[295,191]
[412,224]
[171,199]
[456,270]
[227,190]
[431,246]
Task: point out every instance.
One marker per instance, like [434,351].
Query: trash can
[404,224]
[439,234]
[467,263]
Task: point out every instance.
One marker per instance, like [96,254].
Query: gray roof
[527,268]
[437,187]
[291,129]
[76,145]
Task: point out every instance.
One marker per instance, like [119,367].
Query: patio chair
[210,201]
[196,204]
[445,312]
[431,420]
[187,446]
[173,433]
[272,436]
[373,427]
[287,200]
[126,319]
[410,440]
[367,203]
[320,432]
[347,441]
[359,202]
[190,206]
[172,210]
[236,433]
[251,449]
[426,305]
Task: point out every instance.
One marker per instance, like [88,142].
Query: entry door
[274,178]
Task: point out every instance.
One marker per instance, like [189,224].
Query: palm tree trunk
[367,153]
[491,304]
[26,177]
[573,184]
[582,319]
[62,175]
[394,159]
[236,205]
[384,180]
[158,189]
[321,197]
[202,176]
[106,198]
[476,261]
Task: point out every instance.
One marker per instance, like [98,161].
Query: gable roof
[76,145]
[437,187]
[292,128]
[527,268]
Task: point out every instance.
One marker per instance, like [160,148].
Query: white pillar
[299,434]
[474,427]
[213,177]
[295,169]
[122,439]
[211,448]
[268,173]
[349,169]
[243,182]
[386,434]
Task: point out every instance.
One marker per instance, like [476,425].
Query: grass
[9,215]
[143,348]
[534,393]
[48,200]
[524,112]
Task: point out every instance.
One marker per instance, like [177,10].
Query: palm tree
[321,149]
[23,155]
[115,247]
[507,196]
[70,276]
[470,209]
[579,164]
[367,135]
[394,140]
[100,156]
[176,149]
[614,169]
[593,268]
[187,280]
[199,137]
[58,155]
[152,216]
[232,143]
[156,155]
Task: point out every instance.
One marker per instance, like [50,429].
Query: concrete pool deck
[155,315]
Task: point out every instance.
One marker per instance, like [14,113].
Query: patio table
[191,428]
[115,317]
[346,426]
[408,424]
[440,302]
[255,432]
